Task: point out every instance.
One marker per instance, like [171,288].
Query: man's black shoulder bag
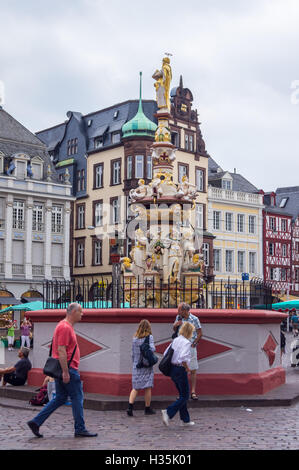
[53,368]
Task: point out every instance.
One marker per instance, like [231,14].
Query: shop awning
[288,304]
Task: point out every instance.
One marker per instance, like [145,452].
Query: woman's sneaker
[165,417]
[190,423]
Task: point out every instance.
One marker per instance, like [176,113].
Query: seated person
[17,375]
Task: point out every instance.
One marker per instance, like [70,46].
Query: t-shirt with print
[64,335]
[194,321]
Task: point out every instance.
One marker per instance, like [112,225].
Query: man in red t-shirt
[65,345]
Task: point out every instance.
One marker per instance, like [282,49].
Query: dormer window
[226,184]
[115,115]
[98,142]
[115,138]
[20,161]
[36,168]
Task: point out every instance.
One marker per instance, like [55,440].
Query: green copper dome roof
[140,125]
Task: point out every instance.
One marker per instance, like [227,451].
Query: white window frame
[18,215]
[217,261]
[38,217]
[229,224]
[252,258]
[80,254]
[98,214]
[252,224]
[199,175]
[206,253]
[139,166]
[116,172]
[240,223]
[241,261]
[57,219]
[229,262]
[216,220]
[149,167]
[81,216]
[98,252]
[199,215]
[115,211]
[129,167]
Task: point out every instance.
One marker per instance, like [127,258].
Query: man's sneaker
[190,423]
[85,434]
[34,428]
[165,417]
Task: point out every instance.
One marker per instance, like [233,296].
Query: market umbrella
[30,306]
[288,304]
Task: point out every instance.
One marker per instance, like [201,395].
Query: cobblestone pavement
[228,428]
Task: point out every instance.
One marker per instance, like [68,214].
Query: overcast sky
[238,57]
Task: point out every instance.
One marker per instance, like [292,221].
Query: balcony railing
[237,196]
[56,271]
[38,270]
[18,269]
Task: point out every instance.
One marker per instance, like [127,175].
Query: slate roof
[101,121]
[292,203]
[15,138]
[239,183]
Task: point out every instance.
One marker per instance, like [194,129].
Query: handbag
[52,367]
[147,354]
[165,363]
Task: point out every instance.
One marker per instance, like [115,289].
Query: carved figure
[162,85]
[140,192]
[11,167]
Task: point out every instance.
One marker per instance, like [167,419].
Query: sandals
[194,396]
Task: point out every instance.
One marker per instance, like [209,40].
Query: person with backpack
[143,373]
[180,362]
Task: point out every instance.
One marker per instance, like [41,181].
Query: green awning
[288,304]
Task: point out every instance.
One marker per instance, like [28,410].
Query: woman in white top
[179,369]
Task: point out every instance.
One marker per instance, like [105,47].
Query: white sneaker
[191,423]
[165,417]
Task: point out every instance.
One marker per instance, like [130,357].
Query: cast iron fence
[103,293]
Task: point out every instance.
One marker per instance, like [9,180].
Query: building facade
[235,219]
[35,215]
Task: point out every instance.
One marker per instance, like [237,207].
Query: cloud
[237,57]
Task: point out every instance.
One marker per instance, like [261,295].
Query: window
[18,215]
[229,261]
[283,274]
[186,142]
[228,222]
[81,180]
[98,213]
[241,261]
[72,146]
[284,225]
[149,167]
[284,250]
[21,171]
[38,218]
[97,252]
[37,170]
[271,249]
[199,216]
[217,260]
[273,274]
[216,220]
[115,138]
[252,262]
[191,143]
[297,275]
[297,248]
[273,224]
[283,202]
[251,223]
[115,211]
[241,223]
[129,167]
[98,142]
[139,166]
[183,171]
[206,253]
[57,226]
[175,139]
[115,114]
[80,251]
[116,171]
[98,175]
[226,184]
[199,176]
[80,216]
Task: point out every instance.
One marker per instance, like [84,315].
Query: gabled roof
[11,129]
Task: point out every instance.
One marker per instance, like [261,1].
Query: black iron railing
[149,293]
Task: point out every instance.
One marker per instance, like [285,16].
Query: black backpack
[147,354]
[165,363]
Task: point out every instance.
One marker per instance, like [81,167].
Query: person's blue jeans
[180,378]
[73,389]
